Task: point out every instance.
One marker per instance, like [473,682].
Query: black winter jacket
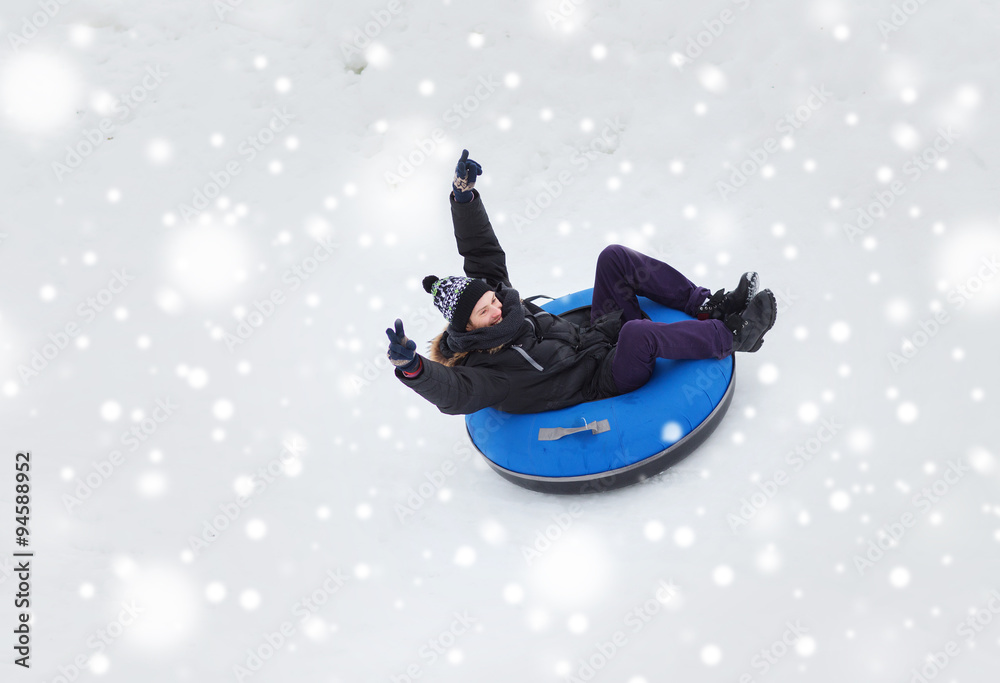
[555,364]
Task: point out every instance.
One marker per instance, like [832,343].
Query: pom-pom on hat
[456,297]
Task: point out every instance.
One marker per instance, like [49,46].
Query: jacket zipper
[527,357]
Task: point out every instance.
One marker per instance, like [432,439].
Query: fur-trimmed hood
[437,351]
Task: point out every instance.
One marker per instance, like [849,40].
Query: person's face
[487,312]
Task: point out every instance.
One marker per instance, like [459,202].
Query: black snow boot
[749,327]
[723,304]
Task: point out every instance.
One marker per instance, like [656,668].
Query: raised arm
[477,243]
[454,390]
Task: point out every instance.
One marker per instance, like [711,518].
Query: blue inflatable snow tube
[614,442]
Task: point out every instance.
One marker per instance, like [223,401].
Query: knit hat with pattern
[456,297]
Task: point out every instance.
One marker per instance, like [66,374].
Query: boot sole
[774,316]
[752,281]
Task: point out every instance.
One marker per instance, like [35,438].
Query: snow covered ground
[214,210]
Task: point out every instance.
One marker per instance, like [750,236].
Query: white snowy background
[485,580]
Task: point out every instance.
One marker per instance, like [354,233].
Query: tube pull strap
[553,433]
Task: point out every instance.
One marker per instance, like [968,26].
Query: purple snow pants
[623,273]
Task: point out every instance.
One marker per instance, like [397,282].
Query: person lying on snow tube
[503,352]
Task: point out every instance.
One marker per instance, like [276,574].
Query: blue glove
[402,351]
[465,178]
